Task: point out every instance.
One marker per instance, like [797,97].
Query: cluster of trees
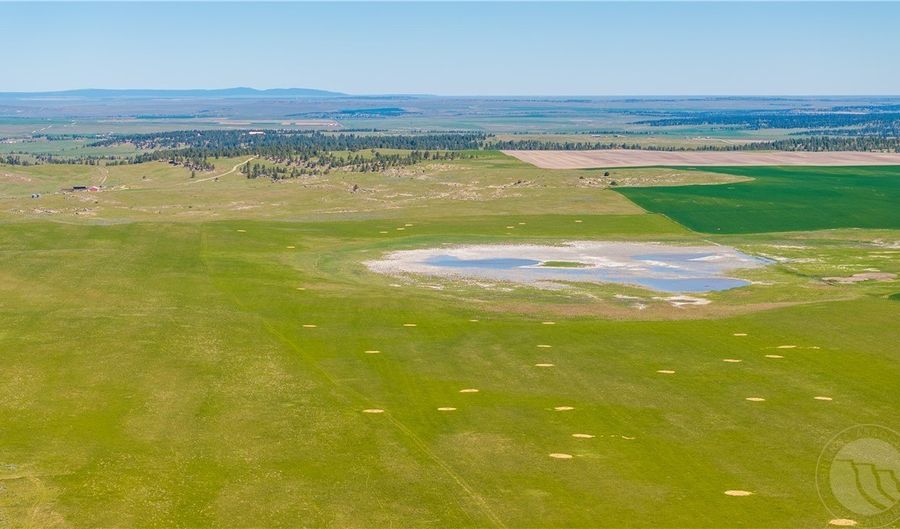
[281,143]
[375,162]
[888,130]
[12,159]
[192,162]
[44,158]
[78,160]
[829,143]
[787,119]
[297,153]
[546,145]
[817,143]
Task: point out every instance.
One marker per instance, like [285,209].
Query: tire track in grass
[417,441]
[233,169]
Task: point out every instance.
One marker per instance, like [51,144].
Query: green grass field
[783,199]
[167,366]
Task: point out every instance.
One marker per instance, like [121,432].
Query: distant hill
[102,93]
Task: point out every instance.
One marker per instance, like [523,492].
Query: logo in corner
[858,476]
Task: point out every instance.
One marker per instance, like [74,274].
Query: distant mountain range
[218,93]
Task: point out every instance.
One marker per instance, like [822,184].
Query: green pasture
[782,199]
[172,358]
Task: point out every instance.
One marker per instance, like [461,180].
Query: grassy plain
[175,359]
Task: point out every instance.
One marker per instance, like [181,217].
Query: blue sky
[636,48]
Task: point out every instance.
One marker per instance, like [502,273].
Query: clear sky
[635,48]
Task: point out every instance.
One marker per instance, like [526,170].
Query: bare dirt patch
[638,158]
[864,276]
[738,493]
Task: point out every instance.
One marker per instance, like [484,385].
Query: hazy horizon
[459,49]
[343,93]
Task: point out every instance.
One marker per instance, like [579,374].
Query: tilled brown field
[638,158]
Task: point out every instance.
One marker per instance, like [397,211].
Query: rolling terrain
[212,351]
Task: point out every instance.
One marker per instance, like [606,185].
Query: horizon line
[425,94]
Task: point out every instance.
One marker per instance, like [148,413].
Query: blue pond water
[679,272]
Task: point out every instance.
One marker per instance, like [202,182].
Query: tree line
[756,120]
[812,144]
[281,143]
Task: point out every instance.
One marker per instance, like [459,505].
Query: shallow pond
[660,267]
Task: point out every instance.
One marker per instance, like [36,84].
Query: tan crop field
[639,158]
